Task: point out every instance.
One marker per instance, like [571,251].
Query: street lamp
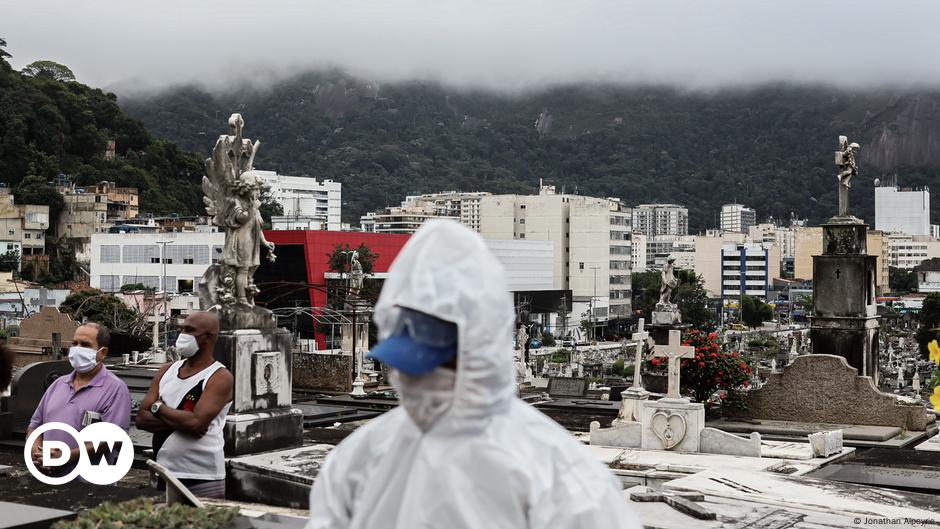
[166,314]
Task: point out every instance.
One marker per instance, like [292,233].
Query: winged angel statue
[233,197]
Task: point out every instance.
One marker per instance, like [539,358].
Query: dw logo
[100,467]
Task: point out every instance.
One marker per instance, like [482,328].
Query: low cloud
[520,44]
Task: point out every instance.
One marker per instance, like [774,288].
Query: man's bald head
[205,327]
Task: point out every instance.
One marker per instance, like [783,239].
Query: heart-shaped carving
[669,427]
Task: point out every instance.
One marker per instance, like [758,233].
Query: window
[187,260]
[27,236]
[521,221]
[12,232]
[141,253]
[580,266]
[110,253]
[155,260]
[168,261]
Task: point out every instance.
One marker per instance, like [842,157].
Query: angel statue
[845,161]
[233,197]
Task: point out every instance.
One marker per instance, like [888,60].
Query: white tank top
[184,455]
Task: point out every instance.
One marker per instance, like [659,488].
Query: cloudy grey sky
[503,44]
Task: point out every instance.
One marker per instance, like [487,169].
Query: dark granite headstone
[567,387]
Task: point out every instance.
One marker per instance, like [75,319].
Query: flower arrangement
[934,349]
[711,369]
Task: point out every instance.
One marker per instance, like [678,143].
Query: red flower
[713,336]
[713,356]
[655,361]
[747,383]
[743,365]
[701,365]
[734,355]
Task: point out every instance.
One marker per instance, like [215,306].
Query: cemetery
[833,431]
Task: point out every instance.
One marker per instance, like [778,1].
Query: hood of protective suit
[446,271]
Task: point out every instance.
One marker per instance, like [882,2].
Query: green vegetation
[929,322]
[50,124]
[755,312]
[106,309]
[769,147]
[141,513]
[902,281]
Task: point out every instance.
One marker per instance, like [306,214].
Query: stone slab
[19,516]
[930,445]
[281,477]
[314,372]
[787,450]
[718,442]
[826,443]
[915,480]
[825,389]
[625,435]
[567,387]
[823,495]
[802,429]
[249,433]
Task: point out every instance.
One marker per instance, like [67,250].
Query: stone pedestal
[845,320]
[261,417]
[631,400]
[672,424]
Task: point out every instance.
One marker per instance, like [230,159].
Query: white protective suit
[489,460]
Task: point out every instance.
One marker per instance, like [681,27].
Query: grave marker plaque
[567,387]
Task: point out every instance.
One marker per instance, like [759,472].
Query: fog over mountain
[522,44]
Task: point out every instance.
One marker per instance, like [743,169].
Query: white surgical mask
[83,359]
[426,397]
[186,345]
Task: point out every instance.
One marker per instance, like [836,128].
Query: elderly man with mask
[461,451]
[186,408]
[88,394]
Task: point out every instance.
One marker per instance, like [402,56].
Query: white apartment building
[305,200]
[119,259]
[661,219]
[658,249]
[907,251]
[621,259]
[902,210]
[638,252]
[584,232]
[415,210]
[748,268]
[783,236]
[735,218]
[527,264]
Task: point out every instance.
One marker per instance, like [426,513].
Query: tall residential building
[782,236]
[735,218]
[414,210]
[661,219]
[119,259]
[589,240]
[902,210]
[747,268]
[306,201]
[638,252]
[908,251]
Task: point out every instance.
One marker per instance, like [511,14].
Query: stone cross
[683,502]
[641,336]
[674,351]
[43,299]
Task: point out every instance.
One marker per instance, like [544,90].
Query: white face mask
[426,397]
[186,345]
[83,359]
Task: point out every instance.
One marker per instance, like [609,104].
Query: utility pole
[166,313]
[593,322]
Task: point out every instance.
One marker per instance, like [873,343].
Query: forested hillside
[52,124]
[769,147]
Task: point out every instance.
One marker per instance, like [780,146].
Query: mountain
[769,147]
[50,124]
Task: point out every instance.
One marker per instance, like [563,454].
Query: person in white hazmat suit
[461,451]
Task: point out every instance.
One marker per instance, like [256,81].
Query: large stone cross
[641,336]
[674,351]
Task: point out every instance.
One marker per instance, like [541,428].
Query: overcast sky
[502,44]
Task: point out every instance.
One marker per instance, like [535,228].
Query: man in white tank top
[186,408]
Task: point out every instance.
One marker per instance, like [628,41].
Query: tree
[106,309]
[3,52]
[755,312]
[269,207]
[902,281]
[10,261]
[49,69]
[339,258]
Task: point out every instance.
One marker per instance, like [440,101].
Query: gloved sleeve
[331,497]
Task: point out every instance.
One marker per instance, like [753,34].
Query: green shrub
[141,513]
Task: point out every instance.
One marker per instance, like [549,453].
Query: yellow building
[809,243]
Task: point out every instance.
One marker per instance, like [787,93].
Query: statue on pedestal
[355,273]
[233,197]
[845,161]
[669,283]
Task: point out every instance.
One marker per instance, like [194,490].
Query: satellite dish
[877,182]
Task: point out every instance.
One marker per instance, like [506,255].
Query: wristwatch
[155,407]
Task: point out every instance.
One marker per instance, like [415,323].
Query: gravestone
[38,331]
[631,399]
[315,372]
[567,387]
[825,389]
